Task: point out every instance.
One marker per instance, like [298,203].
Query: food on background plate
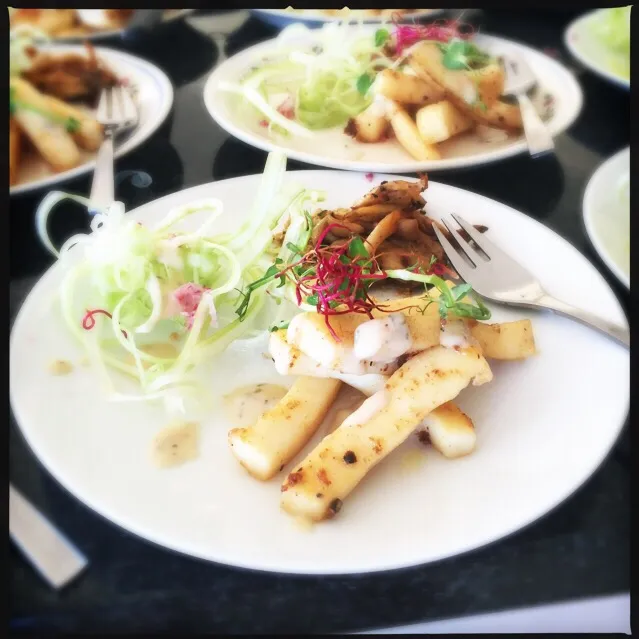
[69,23]
[416,86]
[611,27]
[50,100]
[70,76]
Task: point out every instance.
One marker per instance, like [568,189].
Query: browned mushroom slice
[398,192]
[383,231]
[408,228]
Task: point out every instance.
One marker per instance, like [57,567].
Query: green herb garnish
[364,83]
[462,55]
[381,36]
[72,125]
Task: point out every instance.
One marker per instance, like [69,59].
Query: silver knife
[50,552]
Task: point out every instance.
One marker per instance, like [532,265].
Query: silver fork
[496,276]
[519,80]
[117,113]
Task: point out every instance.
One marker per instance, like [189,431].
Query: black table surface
[581,549]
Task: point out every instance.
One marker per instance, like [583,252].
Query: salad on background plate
[398,97]
[600,40]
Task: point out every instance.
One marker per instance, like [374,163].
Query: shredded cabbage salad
[612,28]
[303,90]
[128,286]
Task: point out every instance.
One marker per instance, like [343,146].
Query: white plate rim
[312,18]
[197,193]
[137,137]
[588,214]
[213,101]
[574,28]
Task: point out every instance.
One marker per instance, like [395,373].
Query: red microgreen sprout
[88,321]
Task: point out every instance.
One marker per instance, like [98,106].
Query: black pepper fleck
[350,457]
[335,506]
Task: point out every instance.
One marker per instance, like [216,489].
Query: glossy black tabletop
[580,549]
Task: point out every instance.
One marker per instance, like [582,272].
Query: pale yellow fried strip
[265,448]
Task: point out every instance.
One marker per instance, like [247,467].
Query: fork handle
[619,333]
[103,187]
[537,134]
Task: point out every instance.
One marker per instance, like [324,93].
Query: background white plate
[281,17]
[168,16]
[154,96]
[332,148]
[544,425]
[606,220]
[589,51]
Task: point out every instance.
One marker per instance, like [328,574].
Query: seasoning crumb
[334,507]
[60,367]
[176,444]
[350,457]
[174,336]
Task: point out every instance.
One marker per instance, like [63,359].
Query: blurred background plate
[606,212]
[334,149]
[154,95]
[581,40]
[155,16]
[314,17]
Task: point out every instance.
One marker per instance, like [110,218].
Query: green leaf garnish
[279,327]
[460,291]
[72,125]
[364,83]
[271,273]
[462,55]
[357,248]
[296,250]
[381,36]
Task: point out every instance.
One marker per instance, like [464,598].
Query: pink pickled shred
[440,31]
[186,299]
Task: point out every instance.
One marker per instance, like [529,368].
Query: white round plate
[154,97]
[593,54]
[606,218]
[334,149]
[543,427]
[281,17]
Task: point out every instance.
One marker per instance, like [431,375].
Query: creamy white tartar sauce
[382,340]
[454,333]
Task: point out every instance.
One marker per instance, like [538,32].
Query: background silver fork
[519,80]
[117,113]
[496,276]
